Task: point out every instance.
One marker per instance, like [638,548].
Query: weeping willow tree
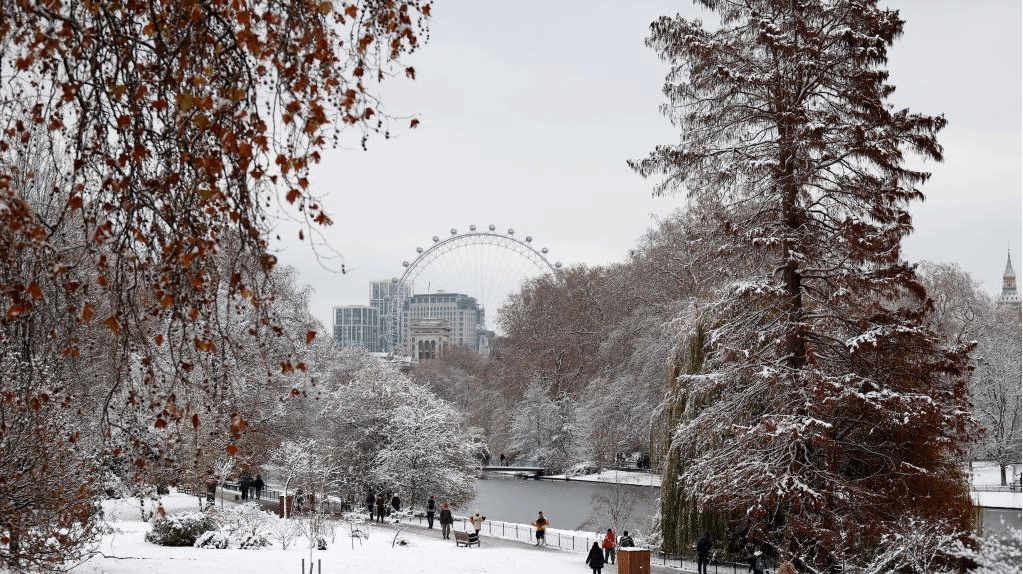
[682,519]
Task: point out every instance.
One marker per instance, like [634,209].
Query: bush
[243,520]
[254,541]
[212,539]
[180,530]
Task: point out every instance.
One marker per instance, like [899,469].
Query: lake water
[568,504]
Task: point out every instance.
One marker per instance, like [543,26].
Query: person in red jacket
[609,546]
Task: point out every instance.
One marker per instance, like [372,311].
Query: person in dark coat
[380,508]
[626,540]
[756,563]
[244,484]
[257,485]
[396,503]
[595,559]
[703,553]
[431,507]
[370,500]
[446,520]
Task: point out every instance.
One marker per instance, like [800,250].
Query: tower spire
[1009,292]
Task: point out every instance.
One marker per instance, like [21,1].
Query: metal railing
[1014,487]
[572,542]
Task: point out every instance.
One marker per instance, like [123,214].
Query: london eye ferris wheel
[485,264]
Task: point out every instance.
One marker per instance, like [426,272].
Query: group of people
[246,484]
[379,502]
[446,518]
[704,545]
[605,551]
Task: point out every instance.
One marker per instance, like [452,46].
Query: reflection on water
[567,504]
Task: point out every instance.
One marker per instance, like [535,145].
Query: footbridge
[524,471]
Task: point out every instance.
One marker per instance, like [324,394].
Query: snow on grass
[124,550]
[636,478]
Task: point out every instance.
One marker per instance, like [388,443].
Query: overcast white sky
[530,109]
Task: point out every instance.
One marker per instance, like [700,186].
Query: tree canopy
[146,149]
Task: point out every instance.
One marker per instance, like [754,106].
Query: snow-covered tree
[306,466]
[997,393]
[963,313]
[550,431]
[392,434]
[428,451]
[825,413]
[49,481]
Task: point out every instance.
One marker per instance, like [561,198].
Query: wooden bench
[465,539]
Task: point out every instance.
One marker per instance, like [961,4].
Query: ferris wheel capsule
[419,249]
[472,228]
[492,227]
[557,264]
[544,250]
[436,239]
[404,264]
[529,239]
[511,231]
[454,231]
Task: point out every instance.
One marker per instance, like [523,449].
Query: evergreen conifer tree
[827,417]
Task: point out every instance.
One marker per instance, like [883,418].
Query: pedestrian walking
[541,526]
[595,559]
[244,484]
[446,520]
[431,507]
[257,485]
[396,503]
[626,540]
[380,507]
[370,501]
[609,546]
[703,546]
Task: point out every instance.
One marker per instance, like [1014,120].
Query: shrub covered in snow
[243,520]
[213,539]
[180,529]
[253,541]
[1000,553]
[582,469]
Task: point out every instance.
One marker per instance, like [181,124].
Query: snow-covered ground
[636,478]
[125,550]
[987,480]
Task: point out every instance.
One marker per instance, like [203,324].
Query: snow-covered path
[124,551]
